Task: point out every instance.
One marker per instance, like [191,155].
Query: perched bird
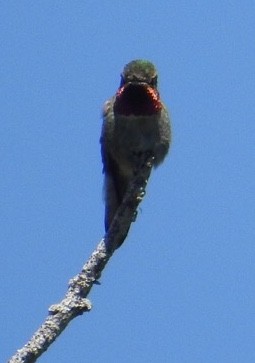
[135,122]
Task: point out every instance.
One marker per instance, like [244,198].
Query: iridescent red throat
[137,99]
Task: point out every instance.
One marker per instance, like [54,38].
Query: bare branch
[75,302]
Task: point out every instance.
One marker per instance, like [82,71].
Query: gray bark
[75,302]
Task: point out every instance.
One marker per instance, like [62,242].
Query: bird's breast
[136,133]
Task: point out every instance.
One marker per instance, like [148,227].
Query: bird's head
[138,94]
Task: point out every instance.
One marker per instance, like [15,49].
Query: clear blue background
[182,287]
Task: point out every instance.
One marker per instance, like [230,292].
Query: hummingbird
[135,123]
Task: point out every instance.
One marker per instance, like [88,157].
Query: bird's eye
[154,81]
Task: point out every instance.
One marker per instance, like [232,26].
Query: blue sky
[182,287]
